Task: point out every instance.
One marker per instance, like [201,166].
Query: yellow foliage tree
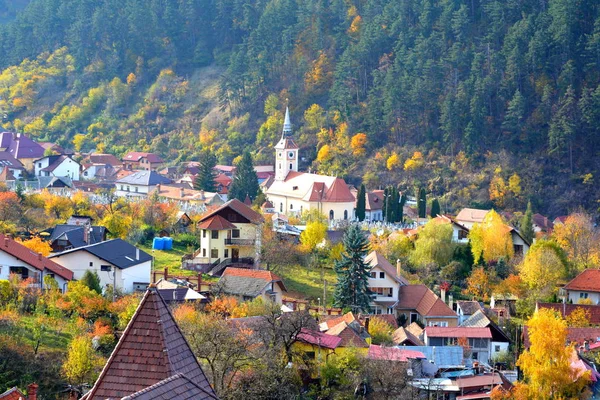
[547,363]
[81,361]
[542,268]
[324,154]
[479,284]
[491,238]
[358,143]
[580,240]
[498,190]
[392,162]
[313,235]
[415,162]
[38,245]
[514,184]
[579,318]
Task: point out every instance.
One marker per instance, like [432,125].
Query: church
[292,192]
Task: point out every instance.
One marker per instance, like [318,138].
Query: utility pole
[324,294]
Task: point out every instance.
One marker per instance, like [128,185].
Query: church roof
[286,142]
[312,187]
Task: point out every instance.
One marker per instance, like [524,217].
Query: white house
[499,341]
[58,166]
[584,288]
[384,282]
[139,184]
[18,259]
[460,233]
[117,263]
[468,217]
[293,192]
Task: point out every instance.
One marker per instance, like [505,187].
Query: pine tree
[245,181]
[527,224]
[422,206]
[435,208]
[92,281]
[361,203]
[205,180]
[400,208]
[352,290]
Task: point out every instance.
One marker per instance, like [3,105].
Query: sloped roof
[424,301]
[318,338]
[588,280]
[216,223]
[480,320]
[403,336]
[138,155]
[181,294]
[146,178]
[286,143]
[5,139]
[329,321]
[443,356]
[468,307]
[7,160]
[23,147]
[566,309]
[178,192]
[12,394]
[376,259]
[151,349]
[458,332]
[115,251]
[312,187]
[349,335]
[247,282]
[75,234]
[542,222]
[32,258]
[374,200]
[471,215]
[176,387]
[392,353]
[102,158]
[239,208]
[54,162]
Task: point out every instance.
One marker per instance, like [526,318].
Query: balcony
[239,242]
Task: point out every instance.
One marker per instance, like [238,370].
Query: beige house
[229,236]
[293,192]
[384,281]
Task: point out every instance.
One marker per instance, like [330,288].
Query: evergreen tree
[245,181]
[205,180]
[435,208]
[400,209]
[92,281]
[527,224]
[361,203]
[422,203]
[352,288]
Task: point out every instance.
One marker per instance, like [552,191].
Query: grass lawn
[308,282]
[51,338]
[170,259]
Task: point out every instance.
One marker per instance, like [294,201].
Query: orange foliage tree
[38,245]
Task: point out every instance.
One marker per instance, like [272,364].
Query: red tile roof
[12,394]
[151,350]
[138,155]
[176,387]
[318,339]
[588,280]
[566,309]
[267,276]
[339,192]
[329,321]
[32,258]
[216,223]
[478,380]
[375,259]
[350,338]
[424,301]
[542,222]
[239,208]
[392,353]
[458,332]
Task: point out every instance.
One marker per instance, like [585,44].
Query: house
[468,217]
[460,233]
[100,172]
[71,236]
[116,262]
[292,192]
[10,167]
[500,339]
[412,358]
[184,195]
[520,245]
[248,284]
[102,158]
[585,287]
[152,360]
[542,224]
[223,182]
[139,184]
[316,345]
[354,335]
[384,282]
[180,295]
[465,309]
[419,303]
[22,148]
[19,260]
[229,235]
[60,166]
[373,205]
[479,339]
[140,160]
[403,336]
[15,394]
[560,220]
[565,309]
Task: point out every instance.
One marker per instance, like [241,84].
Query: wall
[247,231]
[67,168]
[503,348]
[121,190]
[7,261]
[278,293]
[387,282]
[574,296]
[293,206]
[436,320]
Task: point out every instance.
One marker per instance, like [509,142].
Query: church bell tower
[286,151]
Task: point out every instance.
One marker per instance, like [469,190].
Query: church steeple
[286,151]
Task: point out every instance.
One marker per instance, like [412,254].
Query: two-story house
[479,339]
[500,340]
[139,184]
[384,282]
[141,160]
[19,260]
[22,148]
[77,232]
[59,166]
[419,303]
[584,288]
[229,236]
[117,263]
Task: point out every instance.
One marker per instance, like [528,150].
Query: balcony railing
[239,242]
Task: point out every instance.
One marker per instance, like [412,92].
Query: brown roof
[402,336]
[32,258]
[542,222]
[107,159]
[376,259]
[239,208]
[312,187]
[138,155]
[588,280]
[176,387]
[478,380]
[339,192]
[350,338]
[566,309]
[423,300]
[374,200]
[216,223]
[329,321]
[574,335]
[468,307]
[151,350]
[265,275]
[393,354]
[12,394]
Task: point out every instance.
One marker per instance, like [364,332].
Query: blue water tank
[158,243]
[168,243]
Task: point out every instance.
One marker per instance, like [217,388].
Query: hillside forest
[483,102]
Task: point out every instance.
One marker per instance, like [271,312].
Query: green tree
[435,208]
[422,203]
[245,181]
[92,281]
[205,180]
[361,201]
[81,361]
[527,224]
[352,290]
[433,245]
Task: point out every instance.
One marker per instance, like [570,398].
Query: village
[278,283]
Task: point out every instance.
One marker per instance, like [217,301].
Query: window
[39,165]
[105,268]
[475,355]
[291,166]
[496,348]
[226,253]
[279,165]
[214,234]
[373,275]
[128,188]
[345,214]
[382,292]
[462,234]
[390,310]
[280,207]
[310,355]
[235,233]
[122,187]
[331,215]
[291,155]
[443,324]
[583,295]
[291,206]
[91,264]
[203,252]
[232,217]
[203,233]
[382,275]
[214,253]
[136,189]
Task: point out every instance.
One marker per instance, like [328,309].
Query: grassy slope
[305,282]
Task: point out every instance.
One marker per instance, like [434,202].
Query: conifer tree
[92,281]
[205,180]
[422,205]
[435,208]
[527,224]
[361,203]
[352,290]
[400,208]
[245,181]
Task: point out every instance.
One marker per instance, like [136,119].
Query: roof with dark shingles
[23,147]
[176,387]
[116,251]
[145,178]
[75,234]
[151,350]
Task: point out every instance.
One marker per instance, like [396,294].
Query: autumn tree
[433,245]
[579,318]
[546,365]
[314,234]
[37,245]
[82,362]
[92,281]
[580,240]
[491,239]
[480,283]
[543,266]
[380,331]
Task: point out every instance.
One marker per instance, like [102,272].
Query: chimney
[158,188]
[6,240]
[202,197]
[443,294]
[86,233]
[137,254]
[398,267]
[32,391]
[166,275]
[40,256]
[367,320]
[181,193]
[451,301]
